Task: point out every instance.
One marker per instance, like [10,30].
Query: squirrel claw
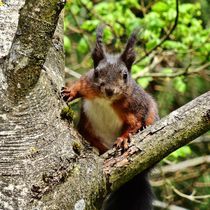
[66,94]
[64,91]
[121,143]
[65,98]
[69,99]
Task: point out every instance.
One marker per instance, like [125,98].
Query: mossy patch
[67,113]
[77,147]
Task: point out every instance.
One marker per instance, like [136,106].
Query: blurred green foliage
[189,44]
[185,51]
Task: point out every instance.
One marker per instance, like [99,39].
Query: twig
[72,73]
[202,139]
[182,165]
[164,205]
[149,5]
[99,17]
[165,37]
[201,184]
[155,62]
[143,9]
[75,30]
[177,179]
[192,197]
[185,71]
[78,25]
[83,64]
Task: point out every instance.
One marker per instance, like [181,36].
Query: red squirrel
[113,107]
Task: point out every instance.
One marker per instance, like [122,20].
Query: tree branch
[43,163]
[37,23]
[191,197]
[163,205]
[156,142]
[186,71]
[147,148]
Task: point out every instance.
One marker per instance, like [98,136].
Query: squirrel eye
[125,75]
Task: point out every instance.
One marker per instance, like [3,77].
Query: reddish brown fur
[81,88]
[151,118]
[133,120]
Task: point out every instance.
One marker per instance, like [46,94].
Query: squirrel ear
[128,55]
[98,53]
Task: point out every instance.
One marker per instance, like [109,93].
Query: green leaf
[167,71]
[174,45]
[179,84]
[75,9]
[83,46]
[184,8]
[119,30]
[107,37]
[67,44]
[131,3]
[144,82]
[182,152]
[90,25]
[160,7]
[135,69]
[152,43]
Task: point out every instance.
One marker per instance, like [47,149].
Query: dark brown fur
[107,80]
[109,86]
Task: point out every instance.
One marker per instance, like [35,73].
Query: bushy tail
[134,195]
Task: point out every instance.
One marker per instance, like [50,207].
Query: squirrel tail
[134,195]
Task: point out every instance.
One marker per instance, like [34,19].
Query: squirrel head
[112,72]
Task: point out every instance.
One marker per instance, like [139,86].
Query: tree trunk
[43,162]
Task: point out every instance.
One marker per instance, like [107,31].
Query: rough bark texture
[156,142]
[43,164]
[36,146]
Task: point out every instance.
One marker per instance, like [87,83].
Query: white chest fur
[104,120]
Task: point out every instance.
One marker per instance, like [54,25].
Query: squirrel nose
[109,92]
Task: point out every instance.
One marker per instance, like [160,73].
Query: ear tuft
[128,55]
[98,53]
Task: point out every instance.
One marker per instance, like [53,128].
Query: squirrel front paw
[122,143]
[67,94]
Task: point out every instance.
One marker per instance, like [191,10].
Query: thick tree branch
[147,148]
[43,163]
[37,23]
[156,142]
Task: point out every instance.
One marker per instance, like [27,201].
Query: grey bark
[43,161]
